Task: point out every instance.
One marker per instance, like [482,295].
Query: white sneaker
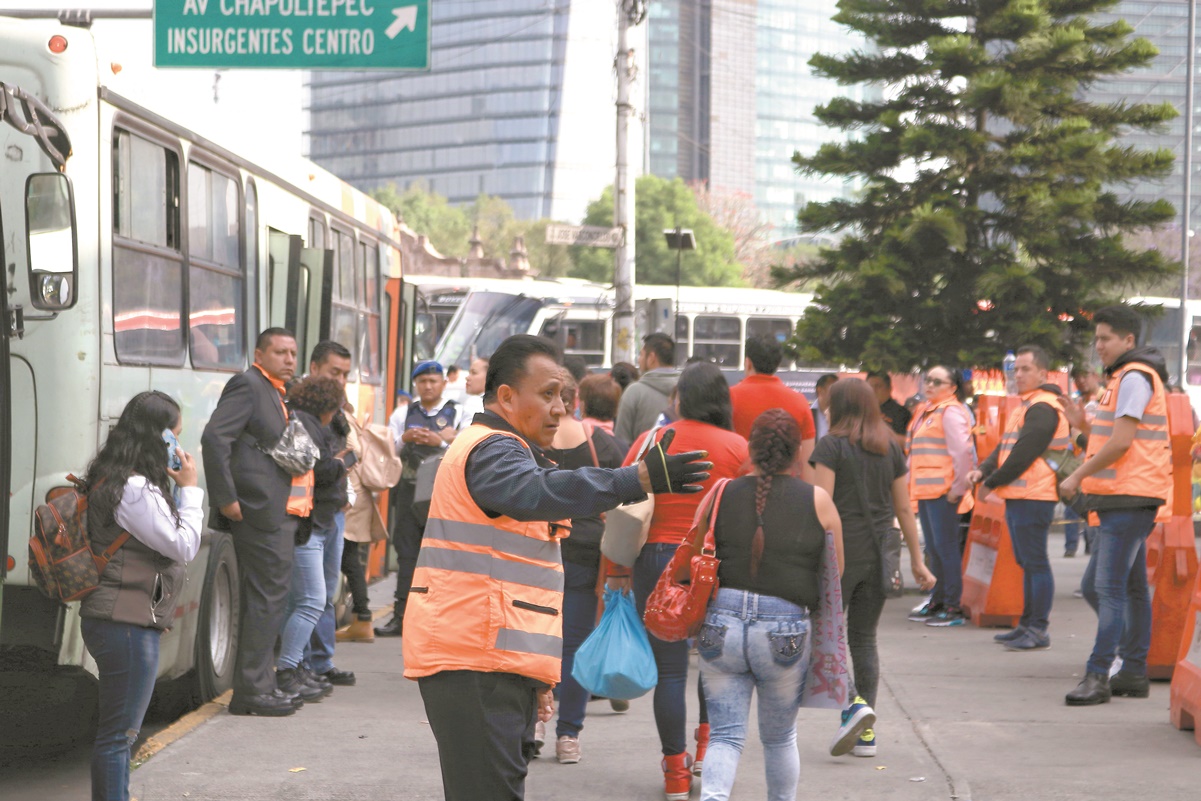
[567,750]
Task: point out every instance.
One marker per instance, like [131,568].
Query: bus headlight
[54,290]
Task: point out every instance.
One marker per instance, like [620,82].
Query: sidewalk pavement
[959,718]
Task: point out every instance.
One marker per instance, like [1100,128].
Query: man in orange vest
[1018,473]
[483,632]
[1127,476]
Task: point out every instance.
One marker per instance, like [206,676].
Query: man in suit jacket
[251,491]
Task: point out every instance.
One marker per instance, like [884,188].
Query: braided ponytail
[774,443]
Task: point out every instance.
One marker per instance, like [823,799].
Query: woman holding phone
[130,491]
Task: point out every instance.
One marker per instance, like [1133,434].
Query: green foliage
[989,215]
[660,204]
[447,227]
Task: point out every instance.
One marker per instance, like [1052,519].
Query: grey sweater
[643,402]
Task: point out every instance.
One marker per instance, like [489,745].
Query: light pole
[678,239]
[1186,319]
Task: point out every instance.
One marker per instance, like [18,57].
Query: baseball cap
[428,366]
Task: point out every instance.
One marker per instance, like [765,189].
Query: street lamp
[679,240]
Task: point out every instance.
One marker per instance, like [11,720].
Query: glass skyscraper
[518,103]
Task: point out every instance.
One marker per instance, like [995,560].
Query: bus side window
[717,339]
[368,344]
[216,334]
[343,315]
[777,328]
[147,259]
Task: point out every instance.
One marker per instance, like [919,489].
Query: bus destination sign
[292,34]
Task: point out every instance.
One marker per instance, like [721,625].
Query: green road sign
[292,34]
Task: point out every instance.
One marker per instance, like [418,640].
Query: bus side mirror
[51,238]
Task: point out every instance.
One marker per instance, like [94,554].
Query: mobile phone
[173,460]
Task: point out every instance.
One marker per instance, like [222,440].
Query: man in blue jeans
[1128,477]
[1018,473]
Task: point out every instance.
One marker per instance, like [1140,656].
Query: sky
[235,108]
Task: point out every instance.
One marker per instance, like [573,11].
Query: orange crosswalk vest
[300,499]
[487,594]
[931,469]
[1038,483]
[1145,470]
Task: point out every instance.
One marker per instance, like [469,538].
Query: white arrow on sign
[406,19]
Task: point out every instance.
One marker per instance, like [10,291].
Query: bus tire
[217,625]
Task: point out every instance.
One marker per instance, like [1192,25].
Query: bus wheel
[217,628]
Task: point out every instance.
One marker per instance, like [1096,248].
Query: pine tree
[991,211]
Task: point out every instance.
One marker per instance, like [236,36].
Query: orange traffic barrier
[992,580]
[1172,551]
[1171,571]
[1185,698]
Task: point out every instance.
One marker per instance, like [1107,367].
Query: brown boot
[358,631]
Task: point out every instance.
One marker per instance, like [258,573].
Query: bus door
[299,283]
[6,327]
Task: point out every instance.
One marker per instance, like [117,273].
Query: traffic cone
[1185,697]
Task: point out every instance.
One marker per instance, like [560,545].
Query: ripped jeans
[127,660]
[760,643]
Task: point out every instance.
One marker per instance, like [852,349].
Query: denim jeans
[751,642]
[1115,586]
[940,523]
[319,655]
[579,618]
[306,602]
[671,658]
[127,661]
[1028,522]
[863,601]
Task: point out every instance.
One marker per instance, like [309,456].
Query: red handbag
[676,607]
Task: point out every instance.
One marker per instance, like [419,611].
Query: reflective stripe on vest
[300,497]
[487,593]
[931,468]
[1145,470]
[1038,482]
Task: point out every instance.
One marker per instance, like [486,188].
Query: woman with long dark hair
[705,423]
[129,484]
[770,530]
[861,466]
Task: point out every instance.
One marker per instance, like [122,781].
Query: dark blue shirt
[505,478]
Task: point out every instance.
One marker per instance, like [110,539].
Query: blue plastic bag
[616,660]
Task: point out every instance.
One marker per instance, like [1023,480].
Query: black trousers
[406,538]
[265,570]
[484,725]
[354,565]
[863,601]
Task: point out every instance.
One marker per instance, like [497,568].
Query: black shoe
[1129,685]
[313,680]
[1009,636]
[292,698]
[1069,553]
[344,678]
[267,705]
[393,627]
[290,681]
[1092,690]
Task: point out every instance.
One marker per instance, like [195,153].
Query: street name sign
[588,235]
[292,34]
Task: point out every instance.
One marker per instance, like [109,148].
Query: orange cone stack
[1185,701]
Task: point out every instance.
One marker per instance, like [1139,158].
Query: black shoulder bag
[888,542]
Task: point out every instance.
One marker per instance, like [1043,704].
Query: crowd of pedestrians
[500,564]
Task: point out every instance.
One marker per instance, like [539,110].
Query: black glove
[680,472]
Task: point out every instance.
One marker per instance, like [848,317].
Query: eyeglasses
[936,382]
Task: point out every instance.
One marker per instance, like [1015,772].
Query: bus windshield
[484,321]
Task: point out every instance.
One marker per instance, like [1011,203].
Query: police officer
[1127,475]
[483,625]
[430,426]
[1017,472]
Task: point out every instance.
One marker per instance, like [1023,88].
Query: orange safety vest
[931,469]
[1038,483]
[487,594]
[300,499]
[1145,470]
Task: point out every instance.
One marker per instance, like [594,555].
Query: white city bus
[140,255]
[711,323]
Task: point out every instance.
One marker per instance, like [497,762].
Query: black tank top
[793,540]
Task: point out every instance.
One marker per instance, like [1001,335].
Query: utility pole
[1186,319]
[625,346]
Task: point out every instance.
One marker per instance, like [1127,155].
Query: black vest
[411,456]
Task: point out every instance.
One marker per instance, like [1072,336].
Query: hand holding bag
[675,609]
[616,660]
[627,527]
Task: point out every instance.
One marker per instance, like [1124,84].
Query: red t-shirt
[674,513]
[755,394]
